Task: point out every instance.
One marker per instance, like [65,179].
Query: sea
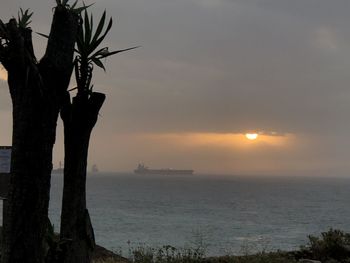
[223,214]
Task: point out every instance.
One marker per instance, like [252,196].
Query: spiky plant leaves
[87,41]
[78,10]
[99,52]
[24,18]
[105,55]
[87,56]
[85,44]
[98,41]
[74,5]
[62,2]
[87,28]
[98,63]
[92,22]
[43,35]
[100,26]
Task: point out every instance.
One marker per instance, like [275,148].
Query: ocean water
[226,214]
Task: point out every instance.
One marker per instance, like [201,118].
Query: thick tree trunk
[36,91]
[79,118]
[25,222]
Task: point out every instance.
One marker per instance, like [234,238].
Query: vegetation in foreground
[332,246]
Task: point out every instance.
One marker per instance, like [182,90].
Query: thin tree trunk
[79,118]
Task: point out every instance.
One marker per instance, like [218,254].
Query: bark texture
[79,117]
[36,90]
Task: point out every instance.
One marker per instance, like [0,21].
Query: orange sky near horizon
[222,153]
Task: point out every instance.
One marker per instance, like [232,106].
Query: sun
[251,136]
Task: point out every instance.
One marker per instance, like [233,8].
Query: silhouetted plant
[166,254]
[79,117]
[37,89]
[331,245]
[23,18]
[87,56]
[73,8]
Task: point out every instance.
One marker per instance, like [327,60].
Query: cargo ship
[142,169]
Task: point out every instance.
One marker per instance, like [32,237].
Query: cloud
[272,133]
[326,38]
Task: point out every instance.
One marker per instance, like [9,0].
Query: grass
[332,246]
[263,257]
[276,257]
[169,254]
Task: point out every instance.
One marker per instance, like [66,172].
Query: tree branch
[58,58]
[16,47]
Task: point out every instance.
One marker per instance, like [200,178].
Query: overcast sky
[209,71]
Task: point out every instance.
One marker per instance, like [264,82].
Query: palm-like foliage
[62,2]
[89,53]
[78,10]
[24,18]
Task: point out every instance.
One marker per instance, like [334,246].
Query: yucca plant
[73,8]
[79,116]
[36,92]
[89,53]
[63,2]
[78,10]
[23,19]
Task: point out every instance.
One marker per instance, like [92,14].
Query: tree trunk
[27,205]
[36,90]
[79,118]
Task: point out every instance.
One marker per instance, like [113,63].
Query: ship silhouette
[142,169]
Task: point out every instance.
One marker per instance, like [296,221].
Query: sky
[209,71]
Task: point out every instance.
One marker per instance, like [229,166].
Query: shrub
[331,245]
[166,254]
